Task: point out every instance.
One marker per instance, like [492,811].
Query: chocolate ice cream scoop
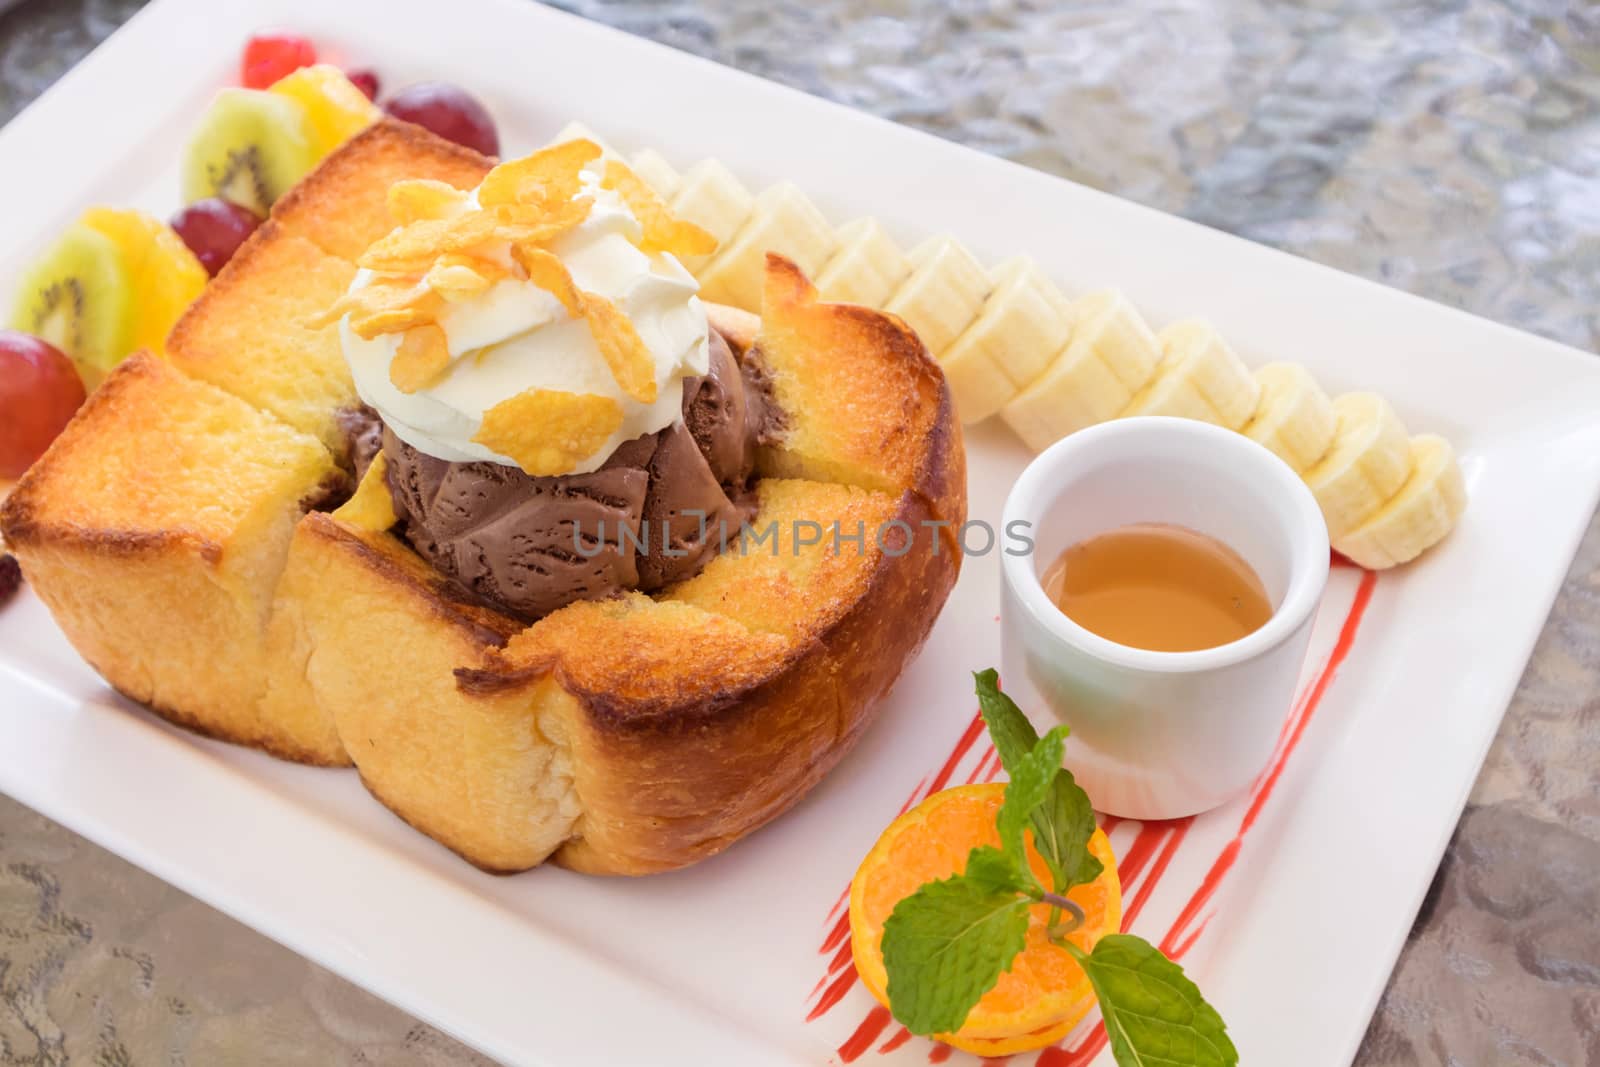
[654,514]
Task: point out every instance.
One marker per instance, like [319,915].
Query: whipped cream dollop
[516,336]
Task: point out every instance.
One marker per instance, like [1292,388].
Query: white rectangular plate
[1301,894]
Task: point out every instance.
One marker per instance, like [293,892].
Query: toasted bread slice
[863,402]
[389,634]
[342,205]
[154,528]
[248,332]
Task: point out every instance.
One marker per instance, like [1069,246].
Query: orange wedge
[1045,993]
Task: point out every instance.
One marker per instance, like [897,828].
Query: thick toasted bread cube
[342,205]
[249,332]
[473,770]
[155,528]
[862,401]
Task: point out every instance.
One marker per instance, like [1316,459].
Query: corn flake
[663,231]
[536,224]
[413,248]
[549,176]
[384,294]
[457,276]
[546,270]
[548,432]
[621,347]
[417,199]
[370,507]
[423,355]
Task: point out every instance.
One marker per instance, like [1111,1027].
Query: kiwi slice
[79,297]
[250,148]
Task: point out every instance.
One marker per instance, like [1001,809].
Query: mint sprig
[947,944]
[1064,822]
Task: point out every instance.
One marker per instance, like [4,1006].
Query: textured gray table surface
[1450,148]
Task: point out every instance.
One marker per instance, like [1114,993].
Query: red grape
[214,229]
[39,391]
[448,111]
[366,80]
[270,56]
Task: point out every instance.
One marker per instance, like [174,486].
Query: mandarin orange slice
[1045,993]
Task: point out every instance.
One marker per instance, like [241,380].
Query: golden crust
[342,206]
[169,600]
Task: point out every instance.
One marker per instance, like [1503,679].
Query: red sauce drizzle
[875,1023]
[901,1036]
[1225,861]
[835,992]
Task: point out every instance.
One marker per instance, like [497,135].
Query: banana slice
[573,131]
[1112,327]
[1418,516]
[1109,359]
[1077,391]
[1020,329]
[714,200]
[1200,377]
[657,173]
[1025,323]
[1368,463]
[978,385]
[786,222]
[943,294]
[1294,418]
[867,267]
[1006,271]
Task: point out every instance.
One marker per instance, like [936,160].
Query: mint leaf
[1154,1016]
[990,868]
[1064,821]
[946,945]
[1013,735]
[1030,784]
[1062,826]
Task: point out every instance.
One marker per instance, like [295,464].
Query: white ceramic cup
[1159,735]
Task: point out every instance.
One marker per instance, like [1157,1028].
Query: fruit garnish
[448,111]
[79,297]
[214,229]
[366,80]
[166,274]
[39,392]
[548,432]
[251,146]
[1013,923]
[336,109]
[1043,990]
[270,56]
[10,576]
